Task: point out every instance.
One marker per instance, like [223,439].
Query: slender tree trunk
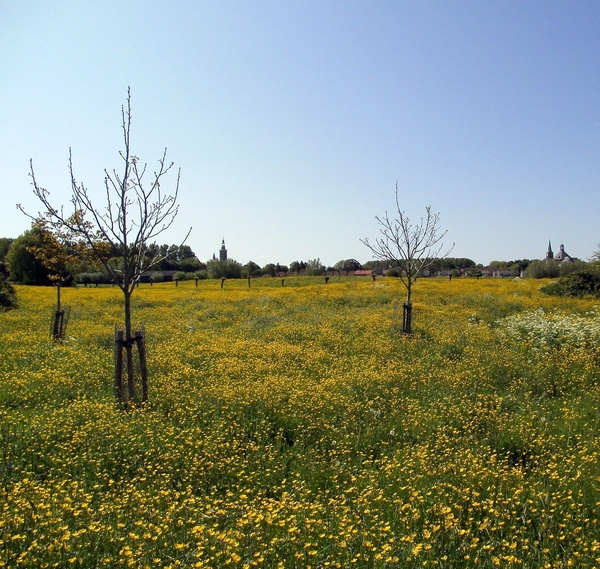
[129,343]
[119,365]
[407,312]
[57,325]
[407,318]
[141,344]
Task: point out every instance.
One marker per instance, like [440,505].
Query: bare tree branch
[410,247]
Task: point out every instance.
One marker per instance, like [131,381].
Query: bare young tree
[410,247]
[135,212]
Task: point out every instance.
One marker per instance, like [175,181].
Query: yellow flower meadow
[295,427]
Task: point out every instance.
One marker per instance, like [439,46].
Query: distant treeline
[19,262]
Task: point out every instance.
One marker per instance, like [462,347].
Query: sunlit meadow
[295,427]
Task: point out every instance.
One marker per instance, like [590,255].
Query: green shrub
[92,278]
[542,269]
[157,277]
[8,296]
[581,283]
[84,278]
[572,267]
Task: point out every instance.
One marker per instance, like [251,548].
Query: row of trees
[31,259]
[550,269]
[314,267]
[41,257]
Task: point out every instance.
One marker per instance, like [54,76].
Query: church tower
[549,253]
[223,252]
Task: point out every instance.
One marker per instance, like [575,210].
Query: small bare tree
[135,213]
[410,247]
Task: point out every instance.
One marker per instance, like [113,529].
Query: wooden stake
[119,365]
[141,343]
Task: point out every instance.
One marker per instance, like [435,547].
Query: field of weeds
[294,427]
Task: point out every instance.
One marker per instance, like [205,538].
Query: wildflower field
[294,427]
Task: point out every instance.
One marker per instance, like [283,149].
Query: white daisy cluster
[552,331]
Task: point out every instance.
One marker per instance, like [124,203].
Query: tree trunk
[140,339]
[129,344]
[57,326]
[407,312]
[119,365]
[407,318]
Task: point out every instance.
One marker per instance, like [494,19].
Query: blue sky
[291,121]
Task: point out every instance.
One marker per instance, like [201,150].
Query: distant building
[561,256]
[222,252]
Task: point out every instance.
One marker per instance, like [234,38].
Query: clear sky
[292,120]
